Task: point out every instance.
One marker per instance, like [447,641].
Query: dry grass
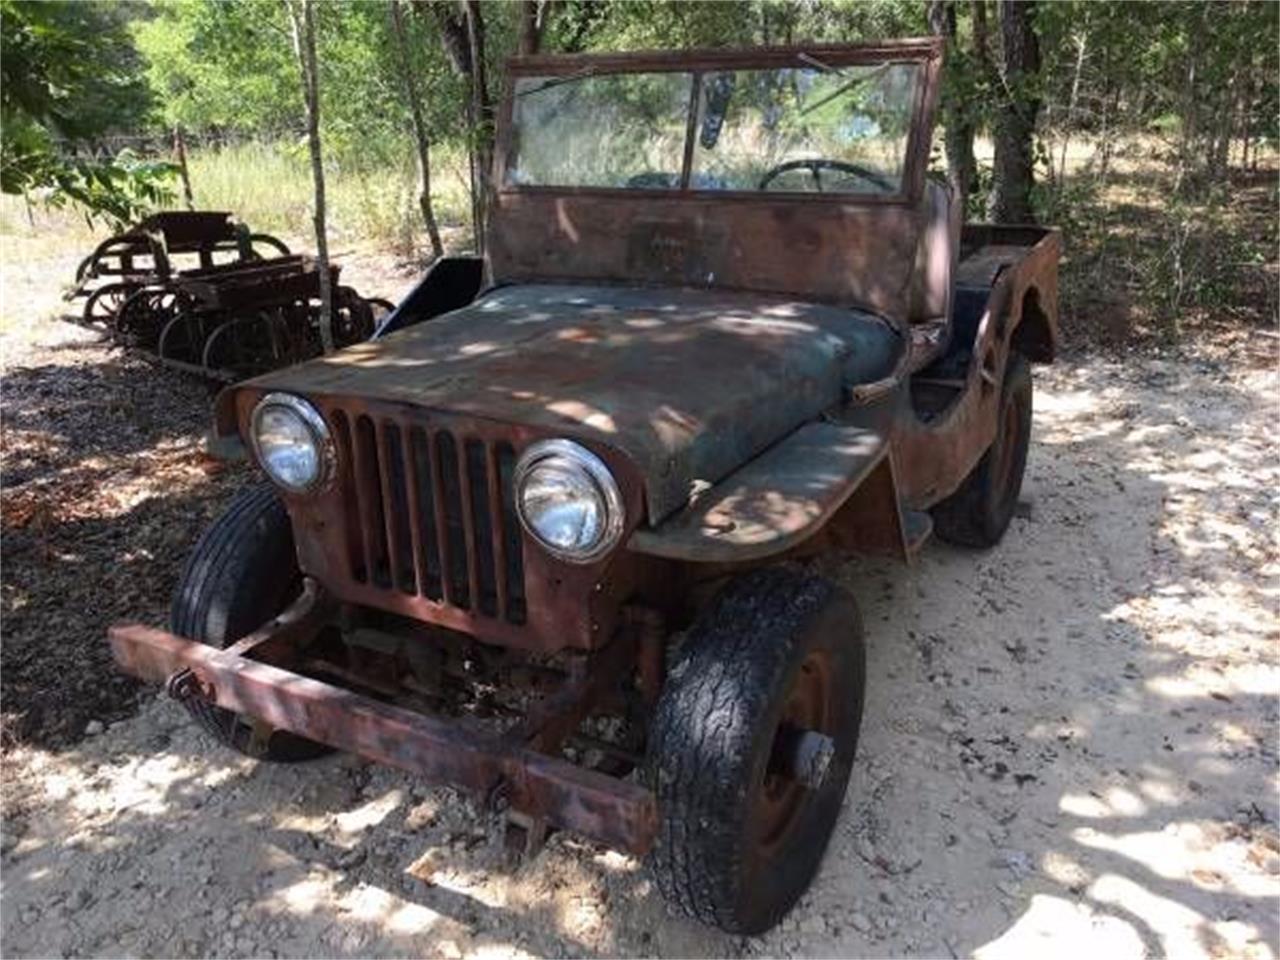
[269,187]
[1139,265]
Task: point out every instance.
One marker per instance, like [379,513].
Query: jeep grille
[432,514]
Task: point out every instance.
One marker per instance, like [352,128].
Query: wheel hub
[802,753]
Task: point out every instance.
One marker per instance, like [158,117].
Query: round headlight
[292,442]
[568,500]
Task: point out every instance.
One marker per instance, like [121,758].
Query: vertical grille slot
[513,558]
[423,514]
[396,508]
[368,487]
[431,514]
[352,518]
[486,577]
[454,541]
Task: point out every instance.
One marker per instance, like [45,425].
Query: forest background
[1146,131]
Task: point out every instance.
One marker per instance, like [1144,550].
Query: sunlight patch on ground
[1053,928]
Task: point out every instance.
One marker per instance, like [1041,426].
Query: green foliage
[221,66]
[1191,81]
[68,76]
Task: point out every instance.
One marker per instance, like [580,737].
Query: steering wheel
[820,163]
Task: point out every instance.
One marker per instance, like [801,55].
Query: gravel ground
[1069,745]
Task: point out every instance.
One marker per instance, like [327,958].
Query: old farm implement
[234,321]
[158,248]
[194,289]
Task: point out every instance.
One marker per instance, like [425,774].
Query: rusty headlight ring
[568,500]
[292,442]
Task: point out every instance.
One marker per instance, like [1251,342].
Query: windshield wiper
[824,67]
[845,88]
[556,81]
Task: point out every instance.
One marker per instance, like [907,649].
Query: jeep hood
[688,384]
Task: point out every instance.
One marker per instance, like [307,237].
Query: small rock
[859,922]
[351,858]
[1018,862]
[93,728]
[814,925]
[862,847]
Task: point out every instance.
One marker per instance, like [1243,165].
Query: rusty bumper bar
[612,811]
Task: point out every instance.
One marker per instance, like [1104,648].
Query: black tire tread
[725,678]
[969,517]
[229,586]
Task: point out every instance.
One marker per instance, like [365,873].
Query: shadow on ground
[1068,748]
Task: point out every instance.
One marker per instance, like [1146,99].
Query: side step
[917,526]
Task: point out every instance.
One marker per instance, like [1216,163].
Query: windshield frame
[924,52]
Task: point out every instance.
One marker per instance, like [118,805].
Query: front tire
[241,573]
[740,836]
[979,512]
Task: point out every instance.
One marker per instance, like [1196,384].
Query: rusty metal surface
[341,526]
[190,229]
[772,503]
[615,812]
[933,457]
[687,384]
[851,250]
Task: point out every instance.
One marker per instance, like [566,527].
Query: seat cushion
[932,279]
[936,254]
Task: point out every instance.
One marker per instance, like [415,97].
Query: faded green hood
[689,384]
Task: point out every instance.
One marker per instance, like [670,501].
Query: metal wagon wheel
[143,317]
[121,245]
[246,346]
[266,240]
[82,271]
[105,302]
[182,340]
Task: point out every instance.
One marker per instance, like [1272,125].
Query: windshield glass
[810,129]
[615,130]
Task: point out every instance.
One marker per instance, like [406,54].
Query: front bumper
[252,678]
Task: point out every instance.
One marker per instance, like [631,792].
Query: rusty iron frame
[515,771]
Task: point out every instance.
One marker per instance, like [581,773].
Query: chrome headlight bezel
[314,424]
[572,455]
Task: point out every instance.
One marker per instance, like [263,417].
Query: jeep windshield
[812,128]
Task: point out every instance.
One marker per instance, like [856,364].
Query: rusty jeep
[555,534]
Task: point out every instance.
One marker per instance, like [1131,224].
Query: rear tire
[241,573]
[978,513]
[739,839]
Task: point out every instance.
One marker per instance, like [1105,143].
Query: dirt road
[1069,749]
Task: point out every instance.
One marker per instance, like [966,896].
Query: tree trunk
[1014,175]
[180,155]
[958,128]
[461,27]
[1190,102]
[302,17]
[421,140]
[481,119]
[1081,39]
[531,22]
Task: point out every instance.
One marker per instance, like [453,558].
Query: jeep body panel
[687,384]
[853,250]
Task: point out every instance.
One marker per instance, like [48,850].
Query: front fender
[772,503]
